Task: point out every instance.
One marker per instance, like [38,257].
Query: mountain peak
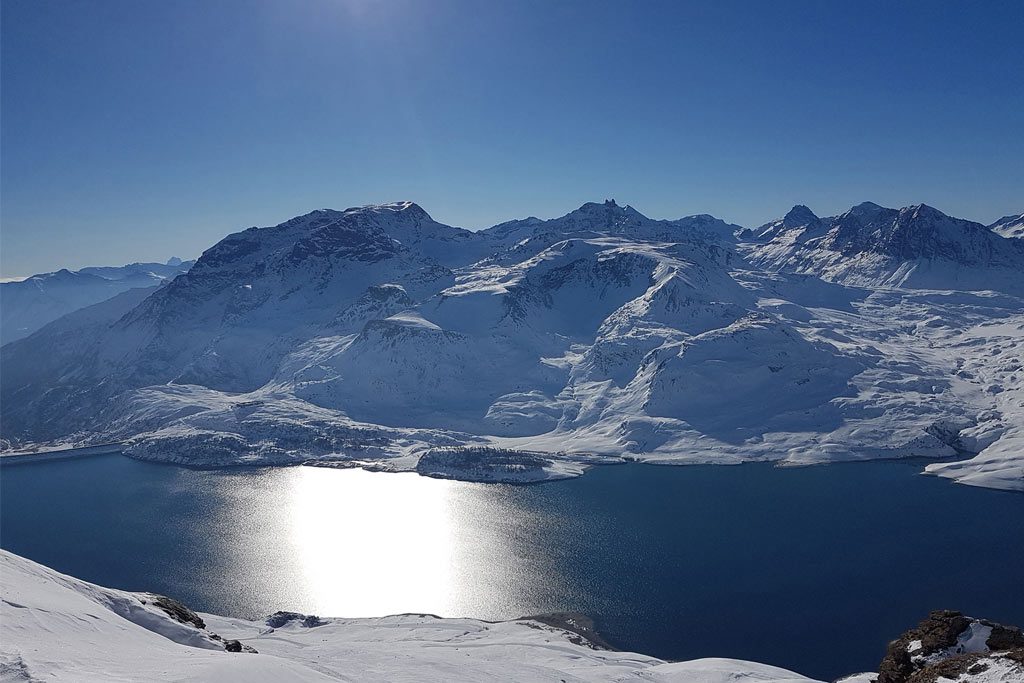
[608,207]
[924,211]
[865,208]
[594,207]
[404,208]
[799,216]
[62,274]
[865,215]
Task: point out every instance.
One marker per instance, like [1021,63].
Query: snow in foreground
[56,628]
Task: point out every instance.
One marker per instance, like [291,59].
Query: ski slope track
[377,337]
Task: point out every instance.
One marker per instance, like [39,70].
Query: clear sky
[141,129]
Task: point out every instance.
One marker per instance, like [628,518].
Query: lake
[813,569]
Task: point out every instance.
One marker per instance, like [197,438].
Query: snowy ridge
[376,336]
[57,628]
[1009,226]
[872,246]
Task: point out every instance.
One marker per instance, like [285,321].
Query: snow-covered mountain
[1009,226]
[528,236]
[872,246]
[378,336]
[26,305]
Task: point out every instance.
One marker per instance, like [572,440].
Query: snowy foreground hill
[378,337]
[57,628]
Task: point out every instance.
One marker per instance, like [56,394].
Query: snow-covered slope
[57,628]
[1009,226]
[377,336]
[28,304]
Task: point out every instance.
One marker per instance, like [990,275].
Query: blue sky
[138,130]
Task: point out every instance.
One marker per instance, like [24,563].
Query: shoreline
[30,457]
[20,458]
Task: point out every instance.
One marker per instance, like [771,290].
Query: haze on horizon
[137,131]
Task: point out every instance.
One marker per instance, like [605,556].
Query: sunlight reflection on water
[346,542]
[375,546]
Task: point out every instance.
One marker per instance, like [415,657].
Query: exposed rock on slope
[950,646]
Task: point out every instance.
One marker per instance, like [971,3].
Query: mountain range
[28,304]
[376,336]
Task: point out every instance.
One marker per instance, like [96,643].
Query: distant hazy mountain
[27,305]
[376,334]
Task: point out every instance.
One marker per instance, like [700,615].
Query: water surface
[814,569]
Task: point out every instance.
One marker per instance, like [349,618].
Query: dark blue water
[813,569]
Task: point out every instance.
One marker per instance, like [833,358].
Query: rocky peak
[405,210]
[866,215]
[799,216]
[923,211]
[918,231]
[866,209]
[605,217]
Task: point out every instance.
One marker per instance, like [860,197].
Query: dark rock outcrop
[279,619]
[183,615]
[1005,638]
[941,646]
[177,611]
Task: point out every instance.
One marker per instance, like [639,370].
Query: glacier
[380,338]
